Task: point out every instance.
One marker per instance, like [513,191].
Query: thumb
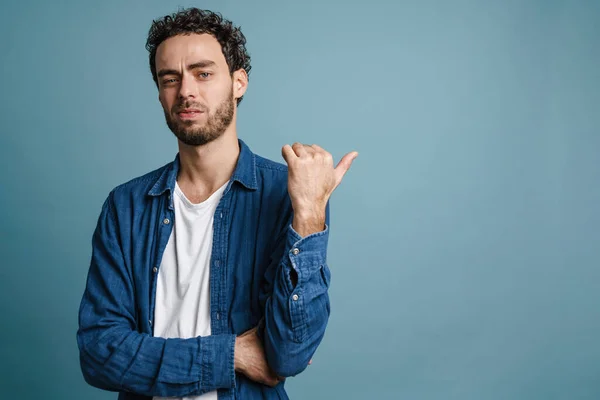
[344,165]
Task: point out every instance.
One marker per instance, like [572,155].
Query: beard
[212,129]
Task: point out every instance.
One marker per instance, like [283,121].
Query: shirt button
[166,221]
[154,269]
[218,316]
[295,297]
[296,251]
[150,322]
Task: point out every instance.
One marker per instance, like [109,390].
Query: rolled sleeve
[307,254]
[296,315]
[218,361]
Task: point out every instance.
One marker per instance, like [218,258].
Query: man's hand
[311,181]
[250,359]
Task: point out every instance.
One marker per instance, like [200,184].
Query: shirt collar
[244,173]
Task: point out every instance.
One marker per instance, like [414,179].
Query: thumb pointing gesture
[312,179]
[343,166]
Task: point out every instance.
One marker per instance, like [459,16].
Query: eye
[204,75]
[167,81]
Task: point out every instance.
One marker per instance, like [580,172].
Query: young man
[208,277]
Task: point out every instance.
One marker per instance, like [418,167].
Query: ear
[240,83]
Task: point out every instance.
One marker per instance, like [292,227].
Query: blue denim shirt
[254,252]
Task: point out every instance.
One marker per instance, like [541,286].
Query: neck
[206,168]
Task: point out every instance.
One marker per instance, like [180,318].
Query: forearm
[115,356]
[309,220]
[296,313]
[124,360]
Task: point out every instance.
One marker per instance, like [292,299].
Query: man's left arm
[297,303]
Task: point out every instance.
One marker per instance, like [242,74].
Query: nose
[187,88]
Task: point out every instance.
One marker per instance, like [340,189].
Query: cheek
[165,103]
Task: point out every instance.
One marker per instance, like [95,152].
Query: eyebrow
[199,64]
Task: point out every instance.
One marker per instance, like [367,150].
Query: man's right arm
[115,356]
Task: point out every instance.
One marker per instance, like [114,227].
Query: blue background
[465,237]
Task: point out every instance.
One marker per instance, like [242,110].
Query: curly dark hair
[194,20]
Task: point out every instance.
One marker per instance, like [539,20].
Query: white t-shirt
[182,308]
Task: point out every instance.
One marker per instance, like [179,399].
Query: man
[208,277]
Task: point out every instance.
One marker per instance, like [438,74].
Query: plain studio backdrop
[465,239]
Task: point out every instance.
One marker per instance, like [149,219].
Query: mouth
[189,113]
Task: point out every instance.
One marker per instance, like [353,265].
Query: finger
[309,149]
[271,380]
[288,154]
[310,362]
[344,165]
[273,377]
[318,148]
[324,153]
[299,149]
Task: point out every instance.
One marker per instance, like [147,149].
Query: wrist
[237,355]
[310,211]
[307,223]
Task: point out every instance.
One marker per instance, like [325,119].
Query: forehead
[180,50]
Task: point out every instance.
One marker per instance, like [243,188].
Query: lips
[188,113]
[188,110]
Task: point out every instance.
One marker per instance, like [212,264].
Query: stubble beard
[212,129]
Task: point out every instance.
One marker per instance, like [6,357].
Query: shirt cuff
[217,362]
[307,254]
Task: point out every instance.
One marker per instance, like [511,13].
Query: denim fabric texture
[254,252]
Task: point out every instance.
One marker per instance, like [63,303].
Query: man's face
[195,87]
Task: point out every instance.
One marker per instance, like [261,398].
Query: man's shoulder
[142,184]
[265,164]
[271,176]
